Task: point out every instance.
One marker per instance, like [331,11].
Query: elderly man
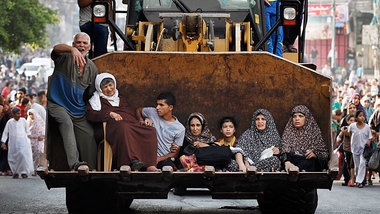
[71,84]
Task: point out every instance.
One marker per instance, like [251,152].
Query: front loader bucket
[222,84]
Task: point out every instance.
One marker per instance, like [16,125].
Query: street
[31,196]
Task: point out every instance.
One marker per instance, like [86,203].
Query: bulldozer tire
[89,199]
[288,200]
[123,205]
[180,191]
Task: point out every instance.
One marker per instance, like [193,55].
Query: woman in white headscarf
[37,130]
[132,143]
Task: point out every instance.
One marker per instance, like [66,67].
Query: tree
[24,21]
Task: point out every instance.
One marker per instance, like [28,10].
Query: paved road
[31,196]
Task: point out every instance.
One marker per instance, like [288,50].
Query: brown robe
[129,140]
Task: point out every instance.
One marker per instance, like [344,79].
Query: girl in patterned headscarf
[302,141]
[260,136]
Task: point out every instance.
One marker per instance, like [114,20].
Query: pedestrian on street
[37,130]
[351,59]
[19,150]
[4,117]
[313,55]
[360,136]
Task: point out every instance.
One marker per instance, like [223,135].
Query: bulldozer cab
[204,25]
[205,19]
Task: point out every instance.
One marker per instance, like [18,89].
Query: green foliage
[24,21]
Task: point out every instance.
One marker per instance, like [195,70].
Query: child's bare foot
[152,169]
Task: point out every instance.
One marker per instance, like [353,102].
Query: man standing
[270,21]
[72,83]
[313,55]
[41,97]
[97,32]
[291,33]
[169,130]
[17,133]
[351,58]
[21,92]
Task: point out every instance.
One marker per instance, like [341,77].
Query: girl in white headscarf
[37,129]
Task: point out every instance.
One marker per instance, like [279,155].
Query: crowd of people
[22,116]
[356,101]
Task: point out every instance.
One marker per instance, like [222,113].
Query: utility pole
[377,55]
[332,66]
[354,16]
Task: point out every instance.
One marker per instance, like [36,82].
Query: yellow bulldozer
[211,54]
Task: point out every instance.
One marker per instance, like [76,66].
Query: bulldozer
[211,54]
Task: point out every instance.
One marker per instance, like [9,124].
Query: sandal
[15,176]
[360,186]
[136,165]
[78,164]
[351,184]
[24,175]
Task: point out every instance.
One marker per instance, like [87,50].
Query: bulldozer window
[234,4]
[157,3]
[224,4]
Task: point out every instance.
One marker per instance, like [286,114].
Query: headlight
[290,13]
[99,10]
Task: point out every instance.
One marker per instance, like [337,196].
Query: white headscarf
[95,99]
[37,118]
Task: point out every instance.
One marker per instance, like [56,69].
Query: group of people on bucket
[150,138]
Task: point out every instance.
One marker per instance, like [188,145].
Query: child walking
[348,164]
[360,136]
[19,149]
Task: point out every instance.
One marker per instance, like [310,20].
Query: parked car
[47,62]
[30,69]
